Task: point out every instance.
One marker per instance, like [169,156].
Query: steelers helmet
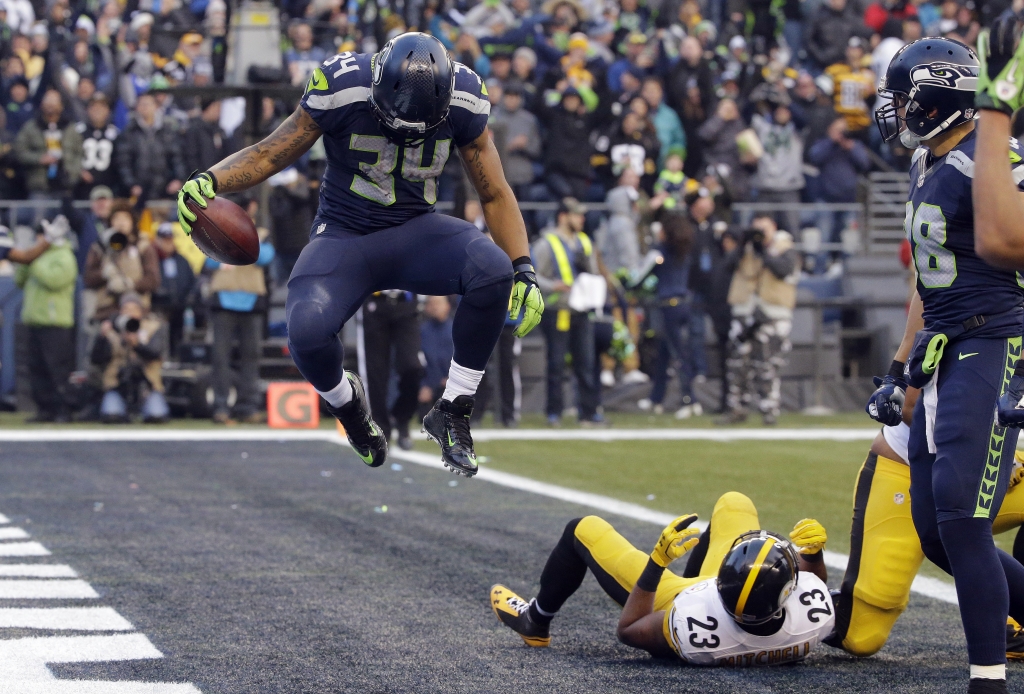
[756,576]
[413,82]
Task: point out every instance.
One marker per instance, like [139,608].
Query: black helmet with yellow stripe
[756,576]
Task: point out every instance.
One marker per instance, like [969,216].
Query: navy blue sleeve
[341,82]
[469,108]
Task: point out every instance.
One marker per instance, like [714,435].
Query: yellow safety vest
[565,270]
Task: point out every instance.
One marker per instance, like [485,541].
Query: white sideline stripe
[29,589]
[13,534]
[38,570]
[23,549]
[93,687]
[4,519]
[923,585]
[286,435]
[76,618]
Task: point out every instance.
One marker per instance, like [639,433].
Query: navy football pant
[957,490]
[432,254]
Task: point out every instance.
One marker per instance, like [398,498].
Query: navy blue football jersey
[954,283]
[371,183]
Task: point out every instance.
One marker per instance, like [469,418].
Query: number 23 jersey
[702,633]
[953,282]
[371,183]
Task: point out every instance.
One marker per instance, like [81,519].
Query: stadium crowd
[665,111]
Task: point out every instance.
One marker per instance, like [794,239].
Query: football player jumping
[962,339]
[747,596]
[389,122]
[885,552]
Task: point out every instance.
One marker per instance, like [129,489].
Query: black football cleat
[514,612]
[985,686]
[447,423]
[1014,640]
[365,437]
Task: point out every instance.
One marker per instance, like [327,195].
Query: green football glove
[808,536]
[1001,53]
[200,189]
[676,539]
[525,297]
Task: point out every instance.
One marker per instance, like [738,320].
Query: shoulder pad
[470,93]
[341,80]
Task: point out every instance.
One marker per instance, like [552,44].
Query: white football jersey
[703,633]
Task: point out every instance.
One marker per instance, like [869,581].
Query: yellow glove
[199,189]
[676,539]
[808,536]
[525,297]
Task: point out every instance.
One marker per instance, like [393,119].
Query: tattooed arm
[499,203]
[262,160]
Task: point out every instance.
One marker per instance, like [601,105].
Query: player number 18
[926,229]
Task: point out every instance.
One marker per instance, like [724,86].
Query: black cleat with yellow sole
[1014,640]
[447,423]
[514,612]
[365,437]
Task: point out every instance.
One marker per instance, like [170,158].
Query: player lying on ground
[389,122]
[885,552]
[962,339]
[746,597]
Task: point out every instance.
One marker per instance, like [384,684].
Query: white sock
[988,672]
[461,381]
[340,394]
[541,610]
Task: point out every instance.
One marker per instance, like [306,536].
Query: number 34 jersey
[371,183]
[700,630]
[953,282]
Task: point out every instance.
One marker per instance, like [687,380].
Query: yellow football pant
[885,553]
[614,556]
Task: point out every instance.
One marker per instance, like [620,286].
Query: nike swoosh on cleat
[368,458]
[964,356]
[450,442]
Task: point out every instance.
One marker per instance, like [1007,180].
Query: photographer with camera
[48,313]
[119,264]
[762,296]
[128,353]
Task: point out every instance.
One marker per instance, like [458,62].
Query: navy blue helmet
[934,80]
[757,576]
[413,81]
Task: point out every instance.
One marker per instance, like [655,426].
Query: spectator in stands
[49,149]
[567,147]
[48,313]
[182,66]
[303,57]
[99,137]
[89,225]
[148,155]
[524,63]
[632,144]
[840,159]
[468,52]
[21,15]
[618,239]
[813,108]
[204,142]
[238,303]
[10,182]
[19,108]
[880,12]
[128,353]
[829,32]
[437,346]
[854,85]
[721,150]
[118,263]
[667,125]
[560,255]
[638,55]
[762,296]
[522,139]
[170,22]
[177,282]
[674,242]
[779,177]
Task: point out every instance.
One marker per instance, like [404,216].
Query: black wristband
[213,179]
[524,260]
[651,576]
[896,370]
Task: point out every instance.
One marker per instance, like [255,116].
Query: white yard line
[929,587]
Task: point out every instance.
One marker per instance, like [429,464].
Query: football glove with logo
[676,539]
[525,297]
[200,188]
[808,536]
[1010,411]
[886,404]
[1001,70]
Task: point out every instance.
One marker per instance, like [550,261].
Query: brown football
[224,232]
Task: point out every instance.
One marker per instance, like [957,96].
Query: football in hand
[224,232]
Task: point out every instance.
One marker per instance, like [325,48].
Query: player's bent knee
[590,529]
[308,327]
[734,502]
[487,277]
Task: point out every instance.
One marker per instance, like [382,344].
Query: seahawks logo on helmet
[377,61]
[961,77]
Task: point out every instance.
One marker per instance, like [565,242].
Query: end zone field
[268,566]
